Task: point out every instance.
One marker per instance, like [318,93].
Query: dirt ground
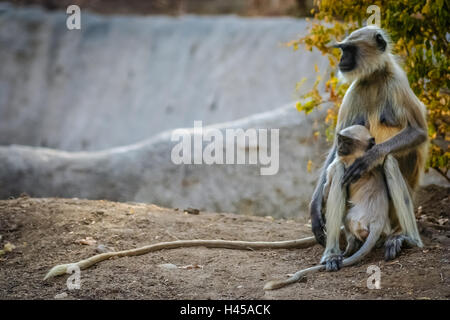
[50,231]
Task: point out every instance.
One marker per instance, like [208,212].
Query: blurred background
[88,113]
[179,7]
[141,73]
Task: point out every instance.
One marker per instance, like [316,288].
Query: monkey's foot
[333,262]
[393,246]
[395,243]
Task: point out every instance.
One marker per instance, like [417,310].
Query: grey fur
[367,200]
[380,98]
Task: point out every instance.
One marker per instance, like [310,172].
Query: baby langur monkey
[367,218]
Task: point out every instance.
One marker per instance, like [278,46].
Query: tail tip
[56,271]
[277,284]
[270,285]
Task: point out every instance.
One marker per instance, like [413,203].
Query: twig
[444,174]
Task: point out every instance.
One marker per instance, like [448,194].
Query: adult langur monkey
[380,99]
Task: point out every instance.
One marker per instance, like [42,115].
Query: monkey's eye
[345,144]
[381,43]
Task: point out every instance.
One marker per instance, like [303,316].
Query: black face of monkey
[348,58]
[347,146]
[360,50]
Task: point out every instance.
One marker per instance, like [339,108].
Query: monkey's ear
[381,43]
[371,143]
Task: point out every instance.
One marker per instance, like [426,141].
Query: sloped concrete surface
[122,79]
[144,171]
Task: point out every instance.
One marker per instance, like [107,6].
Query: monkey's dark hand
[317,222]
[362,165]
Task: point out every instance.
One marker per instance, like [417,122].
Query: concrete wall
[122,79]
[144,171]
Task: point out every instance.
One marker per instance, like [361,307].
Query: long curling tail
[368,245]
[276,284]
[57,271]
[83,264]
[357,256]
[240,245]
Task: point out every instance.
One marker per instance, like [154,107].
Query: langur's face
[349,146]
[353,142]
[362,50]
[348,57]
[346,146]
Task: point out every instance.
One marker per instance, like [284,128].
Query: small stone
[192,211]
[61,295]
[88,241]
[168,266]
[8,247]
[101,248]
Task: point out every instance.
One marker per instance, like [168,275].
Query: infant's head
[353,142]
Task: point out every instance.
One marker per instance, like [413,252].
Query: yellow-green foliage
[418,30]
